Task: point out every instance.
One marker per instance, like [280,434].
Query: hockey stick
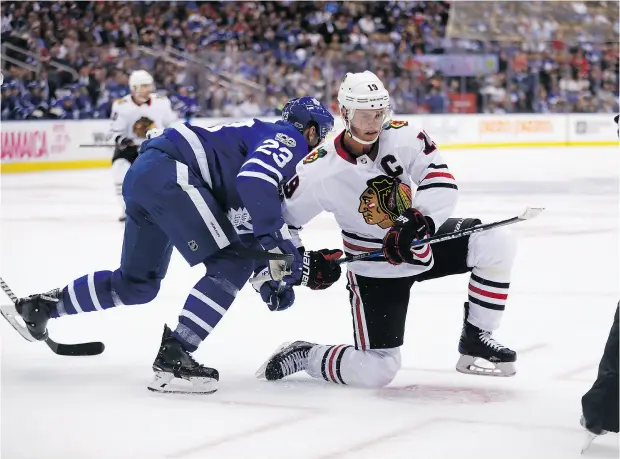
[528,214]
[11,315]
[263,255]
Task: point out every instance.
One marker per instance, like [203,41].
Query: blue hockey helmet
[304,112]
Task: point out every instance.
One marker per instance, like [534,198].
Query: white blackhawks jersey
[367,195]
[125,114]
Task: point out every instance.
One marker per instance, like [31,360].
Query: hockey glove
[124,142]
[409,226]
[319,268]
[277,295]
[280,242]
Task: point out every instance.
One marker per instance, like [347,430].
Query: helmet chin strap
[363,142]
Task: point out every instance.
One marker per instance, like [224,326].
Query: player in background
[132,117]
[213,193]
[365,178]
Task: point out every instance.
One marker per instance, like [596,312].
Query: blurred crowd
[71,60]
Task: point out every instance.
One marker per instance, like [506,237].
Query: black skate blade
[12,317]
[75,350]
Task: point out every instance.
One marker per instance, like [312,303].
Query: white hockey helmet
[363,91]
[141,84]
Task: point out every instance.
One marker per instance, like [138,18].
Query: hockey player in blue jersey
[213,193]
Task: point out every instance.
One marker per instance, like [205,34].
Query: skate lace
[486,338]
[194,363]
[178,363]
[294,362]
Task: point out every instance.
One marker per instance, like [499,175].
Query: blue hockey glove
[280,242]
[277,295]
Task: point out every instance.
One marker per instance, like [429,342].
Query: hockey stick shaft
[530,212]
[8,291]
[263,255]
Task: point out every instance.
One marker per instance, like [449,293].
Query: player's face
[366,124]
[143,91]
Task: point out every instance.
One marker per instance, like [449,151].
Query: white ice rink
[57,226]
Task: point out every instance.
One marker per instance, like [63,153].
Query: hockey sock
[206,304]
[92,292]
[343,364]
[488,292]
[325,362]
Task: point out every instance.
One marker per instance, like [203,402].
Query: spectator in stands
[559,62]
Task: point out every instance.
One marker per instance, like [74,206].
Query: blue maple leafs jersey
[243,164]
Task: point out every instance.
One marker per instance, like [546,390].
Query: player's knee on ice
[492,251]
[374,368]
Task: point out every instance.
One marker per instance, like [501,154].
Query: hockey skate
[289,358]
[35,311]
[173,361]
[476,343]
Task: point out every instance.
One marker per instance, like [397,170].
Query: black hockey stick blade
[80,349]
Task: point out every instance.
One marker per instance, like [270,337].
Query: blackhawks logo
[317,154]
[395,124]
[384,200]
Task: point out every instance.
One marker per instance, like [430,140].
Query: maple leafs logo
[240,219]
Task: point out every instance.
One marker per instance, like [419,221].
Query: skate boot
[289,358]
[35,311]
[173,361]
[476,343]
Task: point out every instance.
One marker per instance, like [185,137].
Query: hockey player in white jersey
[364,177]
[132,117]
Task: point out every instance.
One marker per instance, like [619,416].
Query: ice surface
[57,226]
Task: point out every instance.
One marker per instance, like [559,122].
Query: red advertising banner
[462,103]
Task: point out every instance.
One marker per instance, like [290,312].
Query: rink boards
[76,144]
